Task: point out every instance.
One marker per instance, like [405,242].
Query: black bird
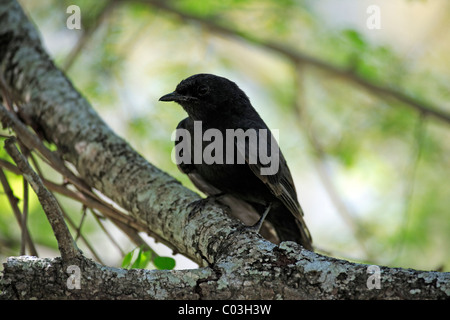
[220,104]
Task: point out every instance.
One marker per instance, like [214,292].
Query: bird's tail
[305,236]
[290,228]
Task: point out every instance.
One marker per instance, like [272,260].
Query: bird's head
[206,95]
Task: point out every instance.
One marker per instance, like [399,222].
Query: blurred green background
[372,173]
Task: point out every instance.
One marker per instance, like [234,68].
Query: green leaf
[146,257]
[164,263]
[142,259]
[126,262]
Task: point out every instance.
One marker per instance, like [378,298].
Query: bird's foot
[257,226]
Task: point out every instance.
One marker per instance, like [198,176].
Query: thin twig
[80,225]
[24,216]
[36,165]
[90,202]
[13,202]
[67,246]
[24,221]
[81,236]
[107,233]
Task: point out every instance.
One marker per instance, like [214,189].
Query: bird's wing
[279,181]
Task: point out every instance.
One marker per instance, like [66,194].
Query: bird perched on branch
[229,153]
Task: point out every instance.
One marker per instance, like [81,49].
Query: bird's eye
[202,90]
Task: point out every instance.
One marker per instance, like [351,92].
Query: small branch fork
[67,246]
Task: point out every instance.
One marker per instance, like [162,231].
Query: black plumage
[220,104]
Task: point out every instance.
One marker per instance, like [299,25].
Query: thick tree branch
[298,57]
[270,272]
[240,264]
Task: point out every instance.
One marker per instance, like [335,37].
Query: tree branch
[270,272]
[297,57]
[66,244]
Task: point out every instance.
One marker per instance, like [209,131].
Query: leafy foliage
[139,258]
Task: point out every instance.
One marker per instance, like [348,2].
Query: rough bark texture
[238,264]
[258,270]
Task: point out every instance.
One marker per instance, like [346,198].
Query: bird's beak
[173,96]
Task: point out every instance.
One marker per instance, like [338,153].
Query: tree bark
[236,263]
